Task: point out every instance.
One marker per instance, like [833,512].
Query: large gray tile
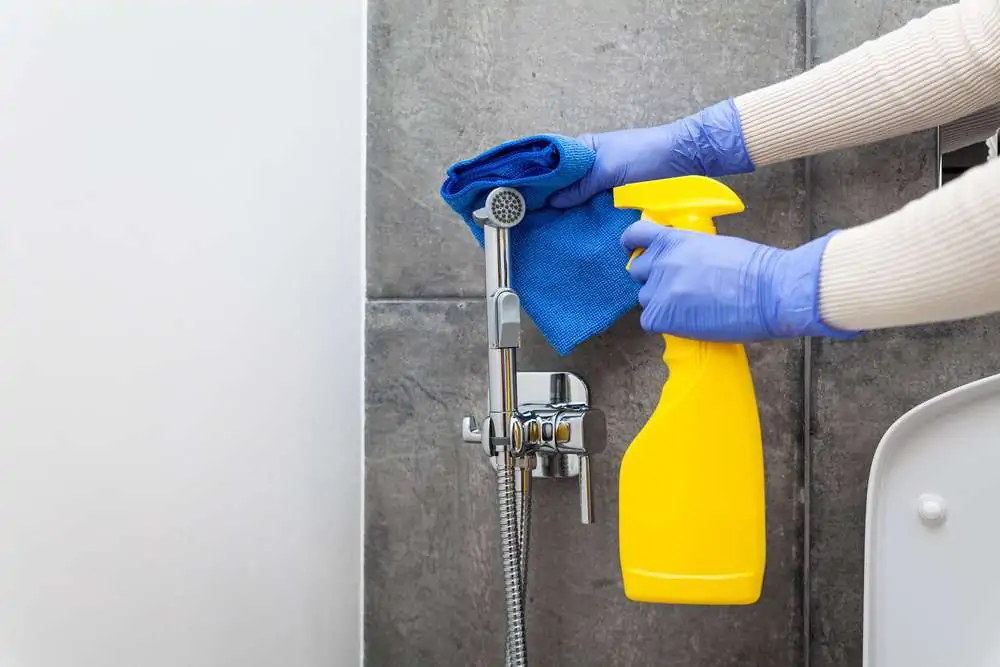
[432,596]
[840,25]
[861,387]
[432,559]
[450,78]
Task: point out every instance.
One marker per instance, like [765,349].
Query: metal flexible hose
[524,521]
[523,505]
[510,555]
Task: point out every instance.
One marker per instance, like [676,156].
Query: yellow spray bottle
[691,487]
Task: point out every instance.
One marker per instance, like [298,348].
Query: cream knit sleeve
[974,129]
[934,70]
[938,258]
[935,259]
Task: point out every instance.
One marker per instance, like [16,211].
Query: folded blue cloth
[568,266]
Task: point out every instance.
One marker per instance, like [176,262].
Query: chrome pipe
[502,359]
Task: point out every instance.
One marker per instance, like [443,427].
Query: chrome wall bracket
[558,425]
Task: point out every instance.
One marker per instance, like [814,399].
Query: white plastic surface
[181,321]
[932,554]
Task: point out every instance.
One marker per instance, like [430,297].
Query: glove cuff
[716,133]
[798,308]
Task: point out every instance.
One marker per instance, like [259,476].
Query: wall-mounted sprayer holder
[539,425]
[561,429]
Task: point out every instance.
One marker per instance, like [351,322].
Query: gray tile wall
[449,78]
[860,388]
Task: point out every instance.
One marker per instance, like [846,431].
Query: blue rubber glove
[722,288]
[709,143]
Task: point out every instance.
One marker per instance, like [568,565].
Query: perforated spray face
[505,206]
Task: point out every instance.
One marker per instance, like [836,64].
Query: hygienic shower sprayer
[536,422]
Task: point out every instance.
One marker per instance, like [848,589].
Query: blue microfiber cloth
[568,266]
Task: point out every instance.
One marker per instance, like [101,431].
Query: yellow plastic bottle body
[691,486]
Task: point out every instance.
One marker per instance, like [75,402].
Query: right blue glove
[709,143]
[723,288]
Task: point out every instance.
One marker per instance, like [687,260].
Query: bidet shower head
[504,208]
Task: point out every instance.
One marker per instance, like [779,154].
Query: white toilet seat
[932,535]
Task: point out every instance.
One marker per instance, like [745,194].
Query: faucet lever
[586,499]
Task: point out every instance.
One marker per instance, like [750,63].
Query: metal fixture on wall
[539,425]
[966,143]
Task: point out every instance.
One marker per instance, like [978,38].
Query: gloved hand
[709,143]
[722,288]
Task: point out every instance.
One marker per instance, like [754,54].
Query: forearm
[934,260]
[936,69]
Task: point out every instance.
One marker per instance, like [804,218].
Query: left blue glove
[708,143]
[722,288]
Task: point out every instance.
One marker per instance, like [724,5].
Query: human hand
[722,288]
[709,143]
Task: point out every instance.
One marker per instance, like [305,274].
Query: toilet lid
[932,535]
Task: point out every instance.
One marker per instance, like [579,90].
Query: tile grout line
[807,386]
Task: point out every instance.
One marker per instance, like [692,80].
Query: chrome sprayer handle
[539,425]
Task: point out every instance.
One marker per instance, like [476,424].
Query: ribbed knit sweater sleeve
[935,259]
[934,70]
[974,129]
[938,258]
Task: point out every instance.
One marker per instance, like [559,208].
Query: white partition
[181,323]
